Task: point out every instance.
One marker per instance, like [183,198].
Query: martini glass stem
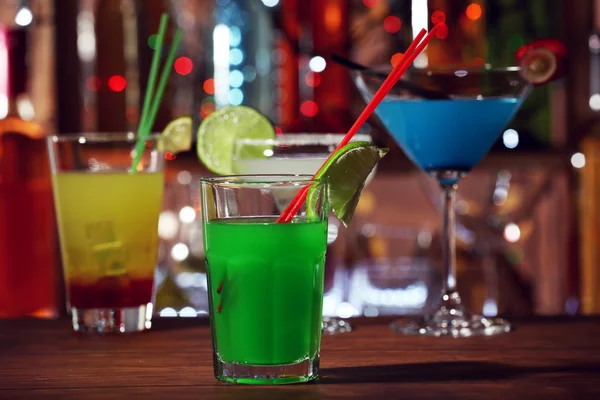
[451,318]
[451,304]
[449,238]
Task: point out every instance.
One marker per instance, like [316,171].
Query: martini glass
[301,153]
[446,130]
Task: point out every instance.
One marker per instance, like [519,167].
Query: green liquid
[271,300]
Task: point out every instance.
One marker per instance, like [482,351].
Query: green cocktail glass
[265,278]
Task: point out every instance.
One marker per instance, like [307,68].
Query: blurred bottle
[28,257]
[590,223]
[589,164]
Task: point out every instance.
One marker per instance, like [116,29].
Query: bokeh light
[512,233]
[93,83]
[333,17]
[236,96]
[317,64]
[236,56]
[510,138]
[595,102]
[474,11]
[236,78]
[312,79]
[209,86]
[515,41]
[438,17]
[478,62]
[249,73]
[117,83]
[235,36]
[442,31]
[396,58]
[152,41]
[578,160]
[24,17]
[207,108]
[309,108]
[183,65]
[392,24]
[132,114]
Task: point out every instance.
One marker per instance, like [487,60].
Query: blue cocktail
[446,129]
[446,134]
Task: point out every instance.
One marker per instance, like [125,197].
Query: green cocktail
[268,310]
[265,239]
[265,278]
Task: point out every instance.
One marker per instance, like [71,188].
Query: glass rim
[304,139]
[365,87]
[510,68]
[101,137]
[261,179]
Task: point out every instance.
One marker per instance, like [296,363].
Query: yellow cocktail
[109,241]
[108,227]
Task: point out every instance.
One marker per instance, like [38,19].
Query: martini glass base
[451,319]
[334,326]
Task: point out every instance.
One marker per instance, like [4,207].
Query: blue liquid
[446,134]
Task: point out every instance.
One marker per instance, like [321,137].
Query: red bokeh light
[309,108]
[132,114]
[478,62]
[278,130]
[474,11]
[371,3]
[183,65]
[438,17]
[209,86]
[170,156]
[396,58]
[442,31]
[392,24]
[93,83]
[207,108]
[312,79]
[117,83]
[333,16]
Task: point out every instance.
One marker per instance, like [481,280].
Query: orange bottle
[28,242]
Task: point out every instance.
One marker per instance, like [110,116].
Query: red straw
[415,48]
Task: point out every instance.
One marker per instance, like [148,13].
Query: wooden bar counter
[544,358]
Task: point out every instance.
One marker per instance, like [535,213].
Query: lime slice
[345,173]
[539,66]
[217,134]
[177,136]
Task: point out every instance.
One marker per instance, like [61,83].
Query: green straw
[162,84]
[152,102]
[153,69]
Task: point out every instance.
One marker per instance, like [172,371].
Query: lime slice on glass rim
[345,174]
[542,60]
[177,136]
[539,66]
[217,134]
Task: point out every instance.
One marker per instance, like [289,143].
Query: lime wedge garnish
[346,173]
[177,136]
[217,134]
[539,66]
